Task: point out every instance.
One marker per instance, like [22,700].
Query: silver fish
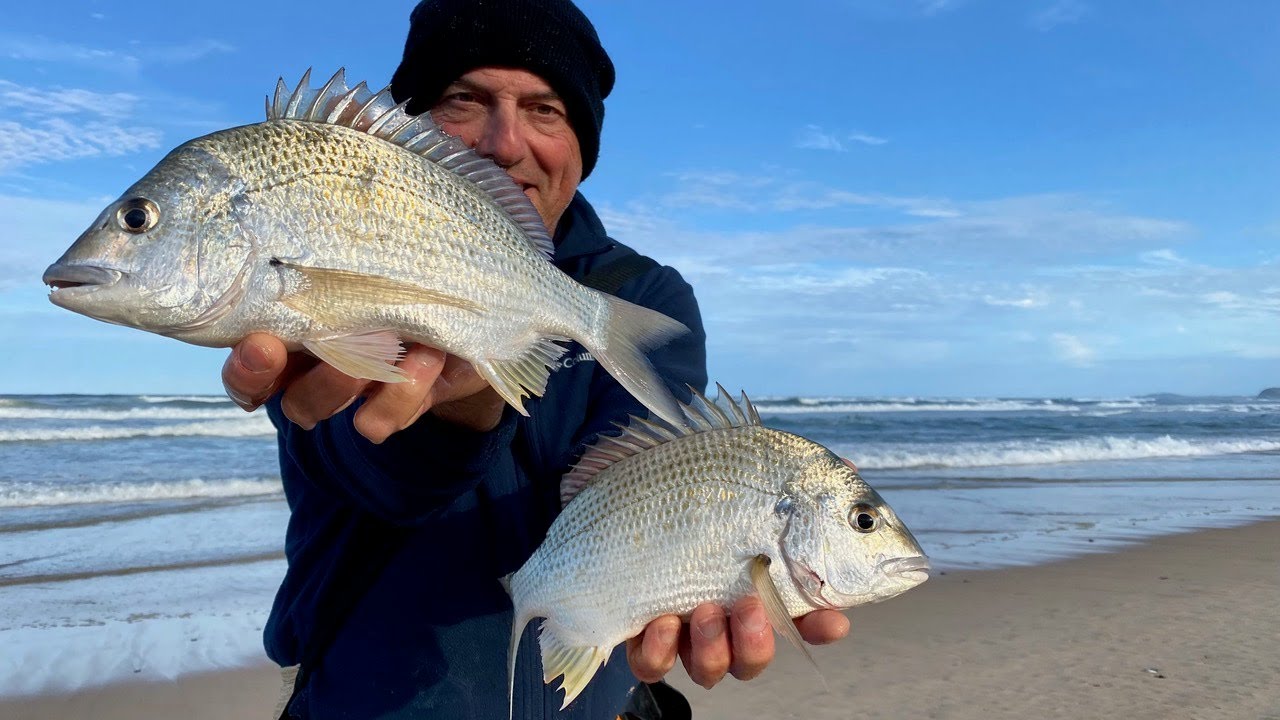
[712,510]
[344,226]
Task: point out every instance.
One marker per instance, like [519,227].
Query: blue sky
[871,197]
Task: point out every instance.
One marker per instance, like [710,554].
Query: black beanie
[550,38]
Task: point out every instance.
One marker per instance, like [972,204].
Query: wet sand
[1186,626]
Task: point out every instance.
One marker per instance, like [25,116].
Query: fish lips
[909,568]
[71,283]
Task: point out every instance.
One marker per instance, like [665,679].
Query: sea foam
[974,455]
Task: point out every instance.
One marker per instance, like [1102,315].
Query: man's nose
[501,139]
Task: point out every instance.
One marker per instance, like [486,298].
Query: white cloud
[1072,350]
[1163,256]
[866,139]
[37,102]
[60,124]
[37,48]
[1059,12]
[1025,303]
[57,140]
[813,137]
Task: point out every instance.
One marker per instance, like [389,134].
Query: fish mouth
[69,281]
[912,568]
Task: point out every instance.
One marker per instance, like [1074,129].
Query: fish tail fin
[630,331]
[577,664]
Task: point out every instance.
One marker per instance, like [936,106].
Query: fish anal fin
[577,665]
[524,375]
[776,609]
[339,297]
[369,355]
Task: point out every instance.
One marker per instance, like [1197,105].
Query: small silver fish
[709,511]
[344,226]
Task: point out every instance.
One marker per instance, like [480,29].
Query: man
[409,500]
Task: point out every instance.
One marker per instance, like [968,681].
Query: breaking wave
[966,455]
[32,495]
[141,413]
[215,399]
[791,406]
[246,426]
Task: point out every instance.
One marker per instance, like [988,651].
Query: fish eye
[137,215]
[864,518]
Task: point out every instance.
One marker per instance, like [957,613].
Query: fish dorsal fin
[701,415]
[379,115]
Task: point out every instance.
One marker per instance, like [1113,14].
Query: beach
[1180,626]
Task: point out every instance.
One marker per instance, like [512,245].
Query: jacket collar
[580,232]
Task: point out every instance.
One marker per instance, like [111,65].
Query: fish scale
[344,226]
[664,518]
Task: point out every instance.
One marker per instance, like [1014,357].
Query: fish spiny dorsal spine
[641,434]
[378,114]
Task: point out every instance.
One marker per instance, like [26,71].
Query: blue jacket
[394,550]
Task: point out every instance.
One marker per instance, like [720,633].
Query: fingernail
[244,402]
[254,358]
[754,620]
[668,633]
[711,628]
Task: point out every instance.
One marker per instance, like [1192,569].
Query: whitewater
[142,536]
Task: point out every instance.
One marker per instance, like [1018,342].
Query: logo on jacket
[569,361]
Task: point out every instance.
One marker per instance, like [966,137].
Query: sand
[1185,626]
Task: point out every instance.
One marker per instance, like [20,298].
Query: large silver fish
[710,511]
[344,226]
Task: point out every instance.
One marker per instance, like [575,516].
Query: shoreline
[1177,626]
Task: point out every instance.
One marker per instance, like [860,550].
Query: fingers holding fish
[462,397]
[822,627]
[652,653]
[318,393]
[392,407]
[705,648]
[253,370]
[751,638]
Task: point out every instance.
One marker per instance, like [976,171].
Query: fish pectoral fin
[577,664]
[524,375]
[776,610]
[370,355]
[337,297]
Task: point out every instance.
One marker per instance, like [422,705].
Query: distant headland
[1270,394]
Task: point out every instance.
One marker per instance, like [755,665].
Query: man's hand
[712,644]
[259,366]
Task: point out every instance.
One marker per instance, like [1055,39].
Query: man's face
[514,118]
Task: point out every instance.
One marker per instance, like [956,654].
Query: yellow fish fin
[524,375]
[577,664]
[776,610]
[369,355]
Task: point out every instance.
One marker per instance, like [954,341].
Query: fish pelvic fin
[577,665]
[776,610]
[631,331]
[369,356]
[524,375]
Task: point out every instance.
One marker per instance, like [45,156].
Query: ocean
[141,536]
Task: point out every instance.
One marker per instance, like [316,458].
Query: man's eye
[461,97]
